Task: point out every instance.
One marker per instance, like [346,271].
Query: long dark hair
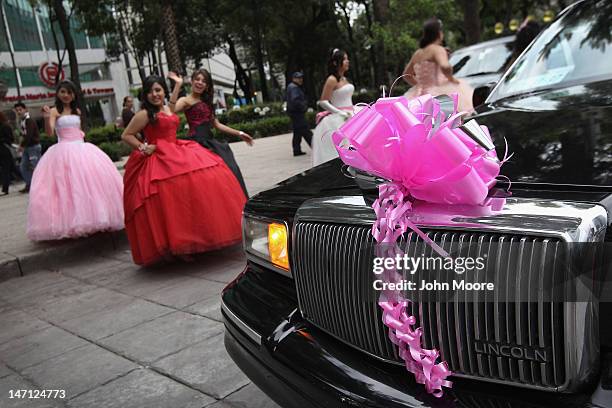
[431,32]
[209,92]
[74,104]
[335,62]
[147,85]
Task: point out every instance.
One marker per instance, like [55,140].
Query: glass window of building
[7,75]
[78,34]
[45,27]
[96,42]
[22,24]
[93,72]
[4,45]
[29,76]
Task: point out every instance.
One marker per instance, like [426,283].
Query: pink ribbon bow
[426,156]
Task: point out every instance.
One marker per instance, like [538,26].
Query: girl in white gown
[337,102]
[430,72]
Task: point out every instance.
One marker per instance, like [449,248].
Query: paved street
[112,334]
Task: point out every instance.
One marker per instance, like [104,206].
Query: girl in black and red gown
[179,198]
[198,108]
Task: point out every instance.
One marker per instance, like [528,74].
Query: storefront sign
[47,72]
[50,95]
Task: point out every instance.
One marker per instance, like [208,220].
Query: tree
[171,44]
[131,27]
[381,13]
[471,20]
[62,19]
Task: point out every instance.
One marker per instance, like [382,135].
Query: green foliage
[115,150]
[108,133]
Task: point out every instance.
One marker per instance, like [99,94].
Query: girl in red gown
[179,198]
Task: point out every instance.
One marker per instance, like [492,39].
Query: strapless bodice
[343,96]
[164,128]
[427,73]
[68,129]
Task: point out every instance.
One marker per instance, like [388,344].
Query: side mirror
[480,94]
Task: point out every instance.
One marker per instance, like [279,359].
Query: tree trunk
[171,39]
[259,58]
[351,40]
[372,50]
[11,51]
[159,59]
[381,12]
[244,82]
[471,21]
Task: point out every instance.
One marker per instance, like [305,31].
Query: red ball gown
[181,200]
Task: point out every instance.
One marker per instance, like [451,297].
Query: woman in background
[429,71]
[337,102]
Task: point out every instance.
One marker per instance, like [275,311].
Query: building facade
[26,32]
[29,73]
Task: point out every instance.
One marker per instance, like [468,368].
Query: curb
[55,253]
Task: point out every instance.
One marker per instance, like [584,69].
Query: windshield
[575,49]
[482,60]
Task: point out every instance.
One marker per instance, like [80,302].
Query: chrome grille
[332,266]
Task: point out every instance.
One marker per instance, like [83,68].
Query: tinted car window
[480,61]
[576,48]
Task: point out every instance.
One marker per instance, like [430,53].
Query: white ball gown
[322,146]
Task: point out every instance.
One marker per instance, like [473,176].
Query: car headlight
[267,240]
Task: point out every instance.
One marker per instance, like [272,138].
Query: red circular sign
[47,73]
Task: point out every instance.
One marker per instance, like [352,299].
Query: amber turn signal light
[277,245]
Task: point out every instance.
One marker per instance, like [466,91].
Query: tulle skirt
[464,90]
[76,191]
[323,148]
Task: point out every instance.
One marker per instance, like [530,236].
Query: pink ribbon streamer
[426,156]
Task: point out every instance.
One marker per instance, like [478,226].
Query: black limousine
[298,319]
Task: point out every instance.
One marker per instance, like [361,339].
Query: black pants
[7,167]
[300,130]
[205,138]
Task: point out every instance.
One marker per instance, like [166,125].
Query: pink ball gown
[76,189]
[431,80]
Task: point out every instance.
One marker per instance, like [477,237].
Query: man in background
[296,108]
[30,144]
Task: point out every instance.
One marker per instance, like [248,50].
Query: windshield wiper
[481,73]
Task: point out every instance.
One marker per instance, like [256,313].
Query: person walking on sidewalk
[296,107]
[7,163]
[30,145]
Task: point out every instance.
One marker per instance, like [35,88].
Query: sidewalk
[268,162]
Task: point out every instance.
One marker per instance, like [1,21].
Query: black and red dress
[180,200]
[200,117]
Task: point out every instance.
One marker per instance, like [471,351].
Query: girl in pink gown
[76,189]
[429,71]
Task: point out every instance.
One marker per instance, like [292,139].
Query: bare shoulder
[331,80]
[141,115]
